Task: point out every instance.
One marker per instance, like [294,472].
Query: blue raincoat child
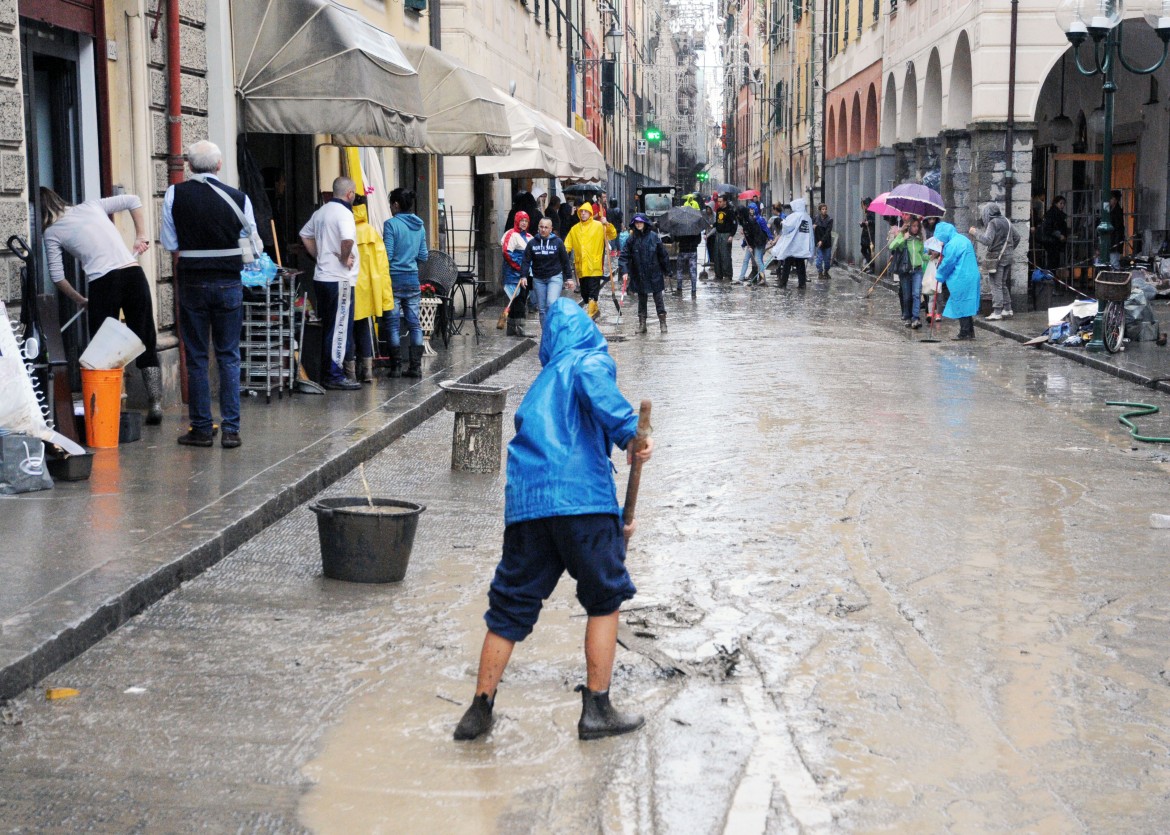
[959,271]
[561,514]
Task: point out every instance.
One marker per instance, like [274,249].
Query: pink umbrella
[879,206]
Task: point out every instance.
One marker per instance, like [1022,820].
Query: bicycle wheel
[1113,325]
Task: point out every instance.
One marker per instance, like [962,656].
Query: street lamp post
[1100,20]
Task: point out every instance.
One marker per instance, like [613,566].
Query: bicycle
[1112,290]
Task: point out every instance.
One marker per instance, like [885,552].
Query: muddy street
[883,586]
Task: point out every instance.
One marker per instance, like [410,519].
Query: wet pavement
[83,557]
[909,587]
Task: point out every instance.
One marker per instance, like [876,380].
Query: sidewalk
[1143,363]
[82,558]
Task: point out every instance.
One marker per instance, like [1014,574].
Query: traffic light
[653,134]
[702,176]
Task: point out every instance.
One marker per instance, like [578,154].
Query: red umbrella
[750,194]
[879,206]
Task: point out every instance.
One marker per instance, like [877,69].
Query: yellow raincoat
[587,240]
[373,295]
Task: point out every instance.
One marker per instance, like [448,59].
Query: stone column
[989,167]
[13,179]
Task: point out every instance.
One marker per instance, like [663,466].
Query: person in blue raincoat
[959,271]
[561,513]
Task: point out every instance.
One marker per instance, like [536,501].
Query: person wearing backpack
[755,240]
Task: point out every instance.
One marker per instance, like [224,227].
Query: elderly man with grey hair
[211,227]
[330,236]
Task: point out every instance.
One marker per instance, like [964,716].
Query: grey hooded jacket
[996,230]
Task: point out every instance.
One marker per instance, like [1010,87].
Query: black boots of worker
[599,719]
[414,369]
[477,721]
[516,327]
[152,380]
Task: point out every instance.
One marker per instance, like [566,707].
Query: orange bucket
[102,391]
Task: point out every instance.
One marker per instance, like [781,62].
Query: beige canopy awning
[465,115]
[586,163]
[313,66]
[535,151]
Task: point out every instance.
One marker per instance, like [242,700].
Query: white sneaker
[994,317]
[1007,314]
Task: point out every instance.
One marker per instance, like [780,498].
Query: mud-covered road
[883,586]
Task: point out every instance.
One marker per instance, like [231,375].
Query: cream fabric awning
[586,162]
[313,66]
[535,149]
[465,115]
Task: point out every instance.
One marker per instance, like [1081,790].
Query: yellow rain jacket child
[587,242]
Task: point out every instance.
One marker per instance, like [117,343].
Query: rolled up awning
[465,115]
[535,152]
[313,66]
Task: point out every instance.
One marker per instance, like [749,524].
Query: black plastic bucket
[364,544]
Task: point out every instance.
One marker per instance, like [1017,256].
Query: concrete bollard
[479,425]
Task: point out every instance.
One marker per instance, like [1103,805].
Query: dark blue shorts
[536,552]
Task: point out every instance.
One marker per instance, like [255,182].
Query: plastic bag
[259,273]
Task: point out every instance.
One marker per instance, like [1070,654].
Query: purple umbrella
[916,199]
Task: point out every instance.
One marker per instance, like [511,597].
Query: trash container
[101,389]
[479,425]
[1042,291]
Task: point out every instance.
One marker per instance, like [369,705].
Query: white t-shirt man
[329,226]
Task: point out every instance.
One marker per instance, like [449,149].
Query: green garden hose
[1140,410]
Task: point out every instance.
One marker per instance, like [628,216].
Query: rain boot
[599,719]
[516,328]
[662,323]
[641,324]
[477,721]
[366,370]
[415,367]
[152,380]
[395,361]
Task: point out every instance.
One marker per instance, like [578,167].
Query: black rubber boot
[395,362]
[516,328]
[599,719]
[641,324]
[415,367]
[662,323]
[477,721]
[152,380]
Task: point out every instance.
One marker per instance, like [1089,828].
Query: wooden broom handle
[644,430]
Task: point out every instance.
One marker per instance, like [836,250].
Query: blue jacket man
[561,513]
[406,249]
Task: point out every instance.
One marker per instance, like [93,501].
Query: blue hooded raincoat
[572,416]
[959,270]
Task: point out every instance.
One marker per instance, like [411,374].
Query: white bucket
[113,346]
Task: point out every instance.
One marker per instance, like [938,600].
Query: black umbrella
[724,188]
[584,189]
[683,220]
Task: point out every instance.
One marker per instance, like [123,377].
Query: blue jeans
[212,306]
[824,258]
[910,290]
[754,253]
[547,291]
[410,305]
[686,267]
